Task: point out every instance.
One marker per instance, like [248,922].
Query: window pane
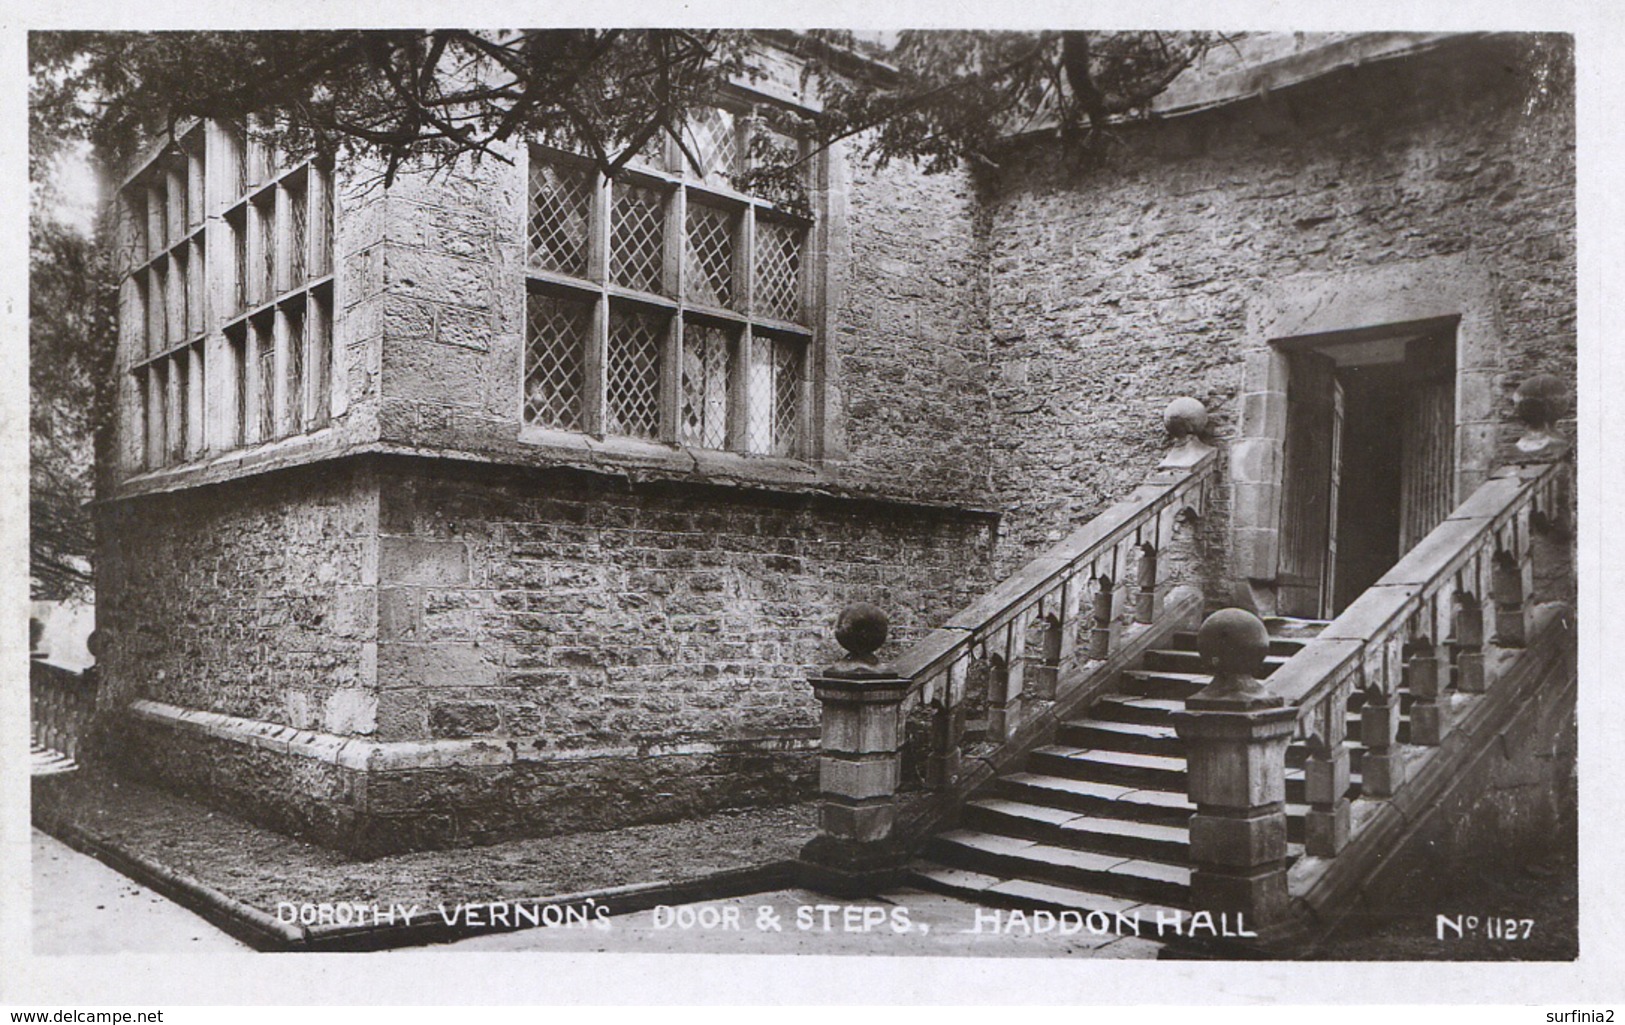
[321,226]
[632,372]
[298,221]
[294,325]
[182,276]
[179,396]
[141,343]
[237,222]
[265,384]
[319,330]
[787,358]
[265,270]
[712,139]
[157,220]
[237,340]
[555,352]
[638,238]
[198,403]
[778,270]
[195,284]
[157,310]
[132,235]
[194,182]
[560,206]
[710,255]
[157,396]
[237,178]
[775,396]
[705,385]
[175,285]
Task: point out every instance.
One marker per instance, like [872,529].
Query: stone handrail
[1118,560]
[1113,559]
[1423,625]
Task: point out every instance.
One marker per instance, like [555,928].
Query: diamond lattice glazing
[710,254]
[299,218]
[632,373]
[759,389]
[705,386]
[787,357]
[778,270]
[555,345]
[638,238]
[560,206]
[713,143]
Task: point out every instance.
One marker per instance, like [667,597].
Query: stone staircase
[1098,821]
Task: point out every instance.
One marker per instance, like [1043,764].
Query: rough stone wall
[1119,286]
[907,393]
[254,599]
[574,611]
[910,341]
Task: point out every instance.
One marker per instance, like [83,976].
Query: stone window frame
[1322,306]
[249,364]
[758,340]
[162,264]
[281,323]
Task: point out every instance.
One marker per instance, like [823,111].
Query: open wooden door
[1309,494]
[1427,446]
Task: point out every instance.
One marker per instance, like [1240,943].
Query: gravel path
[260,867]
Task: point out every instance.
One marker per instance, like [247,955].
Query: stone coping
[637,462]
[363,755]
[1373,616]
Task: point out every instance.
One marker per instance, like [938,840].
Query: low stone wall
[370,799]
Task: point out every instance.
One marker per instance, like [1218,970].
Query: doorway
[1369,459]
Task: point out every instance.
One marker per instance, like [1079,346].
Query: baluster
[1382,768]
[948,726]
[1004,713]
[1422,679]
[1507,589]
[1149,594]
[1469,644]
[1326,778]
[1047,669]
[1103,637]
[1068,633]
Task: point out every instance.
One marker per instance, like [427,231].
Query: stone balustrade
[1043,626]
[1426,627]
[61,703]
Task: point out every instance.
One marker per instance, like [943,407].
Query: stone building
[515,501]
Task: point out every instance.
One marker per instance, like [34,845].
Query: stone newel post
[1236,734]
[860,756]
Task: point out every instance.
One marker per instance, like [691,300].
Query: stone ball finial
[1185,417]
[1233,642]
[1540,400]
[861,630]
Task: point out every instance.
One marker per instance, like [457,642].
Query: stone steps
[1099,819]
[1092,871]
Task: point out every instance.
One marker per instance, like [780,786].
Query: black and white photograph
[876,498]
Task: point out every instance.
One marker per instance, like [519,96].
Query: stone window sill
[619,454]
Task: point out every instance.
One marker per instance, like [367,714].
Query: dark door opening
[1367,535]
[1369,461]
